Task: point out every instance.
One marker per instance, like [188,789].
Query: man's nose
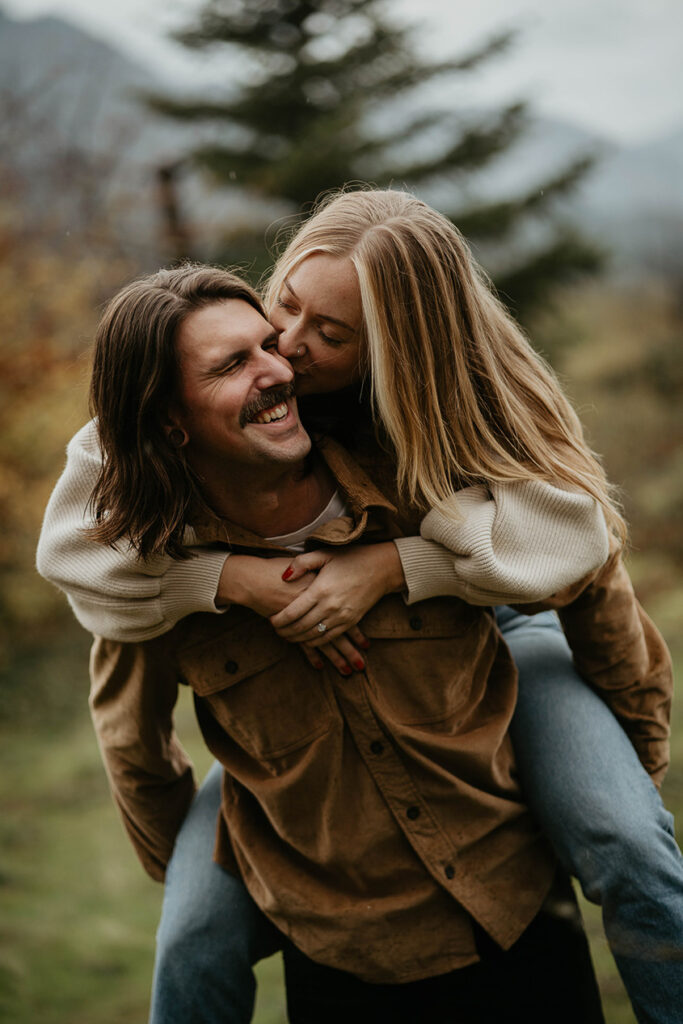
[274,370]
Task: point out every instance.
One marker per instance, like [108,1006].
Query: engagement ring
[321,627]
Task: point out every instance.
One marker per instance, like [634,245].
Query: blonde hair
[460,392]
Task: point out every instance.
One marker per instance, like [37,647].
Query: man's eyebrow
[322,316]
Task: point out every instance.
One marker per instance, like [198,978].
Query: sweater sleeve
[112,592]
[507,543]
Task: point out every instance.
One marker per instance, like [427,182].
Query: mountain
[60,72]
[80,148]
[634,199]
[630,202]
[74,139]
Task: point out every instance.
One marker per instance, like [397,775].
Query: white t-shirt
[295,541]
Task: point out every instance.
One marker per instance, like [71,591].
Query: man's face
[235,390]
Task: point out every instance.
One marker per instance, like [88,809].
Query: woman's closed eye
[335,342]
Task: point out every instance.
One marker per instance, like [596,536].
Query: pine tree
[309,118]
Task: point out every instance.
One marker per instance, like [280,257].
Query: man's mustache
[266,400]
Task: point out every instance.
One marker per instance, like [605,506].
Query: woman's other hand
[349,583]
[257,583]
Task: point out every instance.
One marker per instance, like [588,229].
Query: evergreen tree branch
[498,219]
[475,147]
[530,283]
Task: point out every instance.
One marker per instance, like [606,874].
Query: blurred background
[136,135]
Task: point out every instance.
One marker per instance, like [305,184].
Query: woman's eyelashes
[328,339]
[335,342]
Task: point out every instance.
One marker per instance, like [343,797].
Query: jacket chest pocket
[260,689]
[429,664]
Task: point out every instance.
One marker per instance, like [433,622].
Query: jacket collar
[362,499]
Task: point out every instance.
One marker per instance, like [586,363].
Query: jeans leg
[211,932]
[588,790]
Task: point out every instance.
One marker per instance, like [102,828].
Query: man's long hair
[145,487]
[460,392]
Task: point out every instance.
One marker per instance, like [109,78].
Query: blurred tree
[328,98]
[48,310]
[55,272]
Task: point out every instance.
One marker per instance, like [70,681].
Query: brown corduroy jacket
[371,818]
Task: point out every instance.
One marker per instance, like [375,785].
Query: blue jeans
[211,932]
[581,777]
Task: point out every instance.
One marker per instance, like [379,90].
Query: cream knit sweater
[507,544]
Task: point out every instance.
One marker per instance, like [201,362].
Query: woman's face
[318,318]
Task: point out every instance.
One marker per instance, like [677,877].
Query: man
[375,820]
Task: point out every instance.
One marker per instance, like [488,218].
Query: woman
[378,287]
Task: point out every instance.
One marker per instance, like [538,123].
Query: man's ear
[176,434]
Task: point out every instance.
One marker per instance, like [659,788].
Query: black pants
[545,978]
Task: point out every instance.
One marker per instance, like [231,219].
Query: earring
[178,437]
[300,350]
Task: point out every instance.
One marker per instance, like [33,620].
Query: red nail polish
[358,664]
[364,644]
[287,573]
[346,670]
[318,664]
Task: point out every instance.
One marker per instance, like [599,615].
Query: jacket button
[449,871]
[231,667]
[376,747]
[413,813]
[415,622]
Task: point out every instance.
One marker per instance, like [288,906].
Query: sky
[611,66]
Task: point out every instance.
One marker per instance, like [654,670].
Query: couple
[370,807]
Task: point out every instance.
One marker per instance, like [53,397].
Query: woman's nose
[289,342]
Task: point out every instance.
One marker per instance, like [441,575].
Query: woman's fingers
[341,653]
[307,630]
[345,588]
[287,622]
[311,561]
[312,655]
[299,622]
[337,658]
[350,653]
[358,638]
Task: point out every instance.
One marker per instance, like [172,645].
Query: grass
[77,913]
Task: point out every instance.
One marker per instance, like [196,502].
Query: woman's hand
[257,583]
[349,582]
